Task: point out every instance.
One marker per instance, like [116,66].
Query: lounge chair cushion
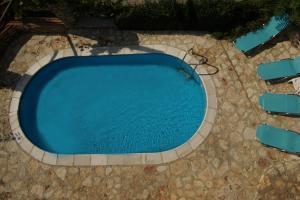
[253,39]
[279,138]
[280,103]
[276,70]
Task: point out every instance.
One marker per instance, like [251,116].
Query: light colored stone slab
[26,145]
[124,50]
[184,149]
[50,158]
[115,159]
[188,58]
[151,48]
[65,160]
[196,140]
[44,61]
[101,53]
[129,52]
[98,159]
[205,78]
[14,124]
[201,70]
[37,153]
[33,69]
[161,48]
[82,160]
[16,94]
[153,158]
[169,156]
[194,61]
[172,51]
[205,129]
[212,101]
[14,105]
[68,52]
[210,87]
[13,117]
[155,46]
[211,115]
[58,55]
[181,54]
[134,159]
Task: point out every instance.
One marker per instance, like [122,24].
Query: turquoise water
[112,104]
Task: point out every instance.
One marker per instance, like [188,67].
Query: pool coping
[114,159]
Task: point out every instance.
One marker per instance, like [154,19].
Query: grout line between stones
[241,82]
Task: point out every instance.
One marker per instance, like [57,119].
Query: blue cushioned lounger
[251,40]
[282,139]
[280,103]
[279,70]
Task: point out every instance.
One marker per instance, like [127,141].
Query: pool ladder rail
[202,61]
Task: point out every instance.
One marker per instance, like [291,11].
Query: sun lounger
[287,104]
[279,71]
[282,139]
[252,40]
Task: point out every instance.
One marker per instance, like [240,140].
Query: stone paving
[230,164]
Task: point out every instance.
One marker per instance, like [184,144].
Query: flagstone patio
[229,164]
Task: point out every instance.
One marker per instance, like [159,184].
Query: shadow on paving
[107,35]
[103,38]
[9,79]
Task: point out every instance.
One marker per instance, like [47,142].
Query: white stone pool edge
[114,159]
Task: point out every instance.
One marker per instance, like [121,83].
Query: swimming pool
[112,104]
[55,94]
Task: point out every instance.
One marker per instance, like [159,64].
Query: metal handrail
[203,60]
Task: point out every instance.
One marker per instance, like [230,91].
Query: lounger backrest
[276,25]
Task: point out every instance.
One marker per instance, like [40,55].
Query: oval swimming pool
[112,104]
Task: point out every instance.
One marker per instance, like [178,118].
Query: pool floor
[120,107]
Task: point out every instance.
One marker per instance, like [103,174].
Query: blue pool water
[112,104]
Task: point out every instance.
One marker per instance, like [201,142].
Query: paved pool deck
[229,164]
